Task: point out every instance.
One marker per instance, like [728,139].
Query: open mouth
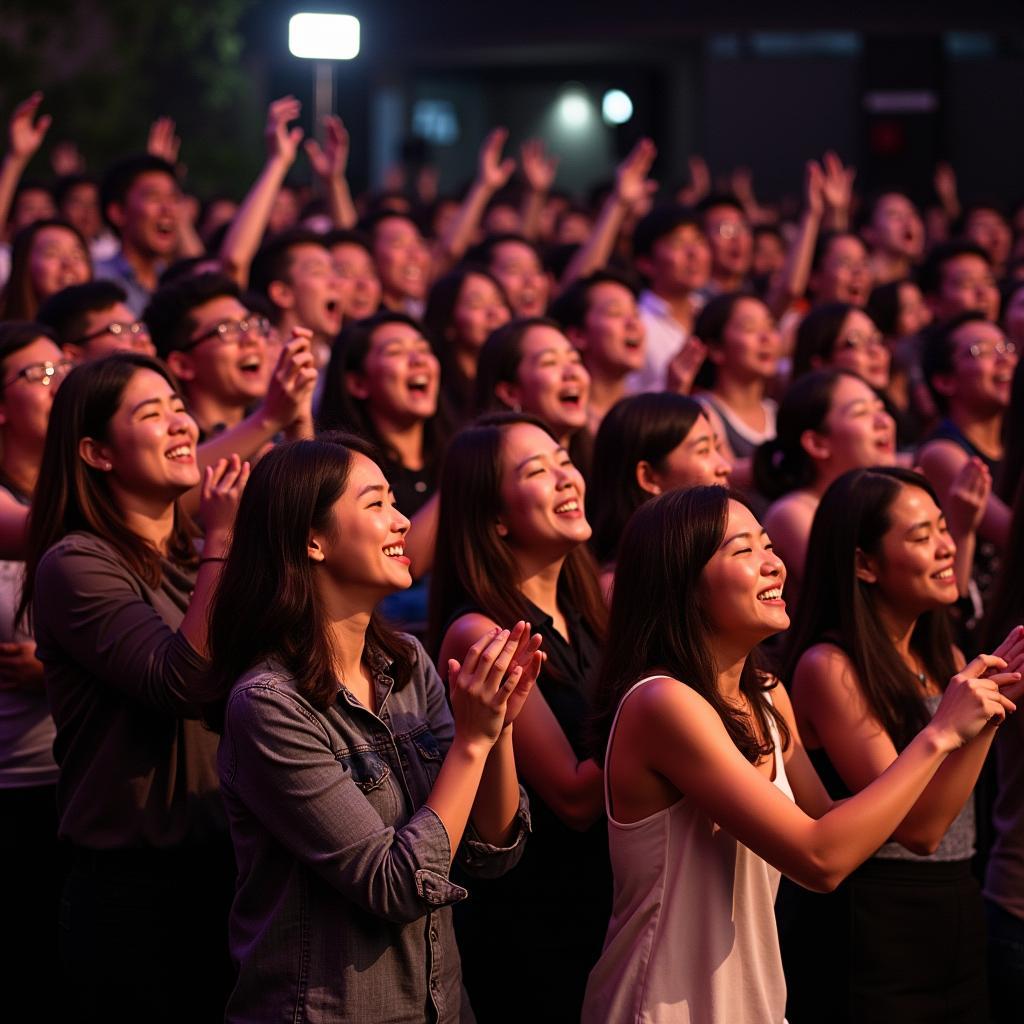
[572,397]
[771,595]
[418,385]
[181,452]
[397,552]
[567,507]
[944,575]
[633,343]
[251,366]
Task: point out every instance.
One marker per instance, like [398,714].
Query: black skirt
[897,941]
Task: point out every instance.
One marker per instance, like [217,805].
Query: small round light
[616,107]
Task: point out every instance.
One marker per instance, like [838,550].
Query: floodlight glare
[324,36]
[574,109]
[616,107]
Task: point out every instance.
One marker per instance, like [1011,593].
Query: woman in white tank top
[710,794]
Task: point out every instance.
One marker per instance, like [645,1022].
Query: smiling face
[312,292]
[119,340]
[25,404]
[912,571]
[150,447]
[896,227]
[479,310]
[857,433]
[57,260]
[230,370]
[680,261]
[542,494]
[750,346]
[612,338]
[361,553]
[861,349]
[551,381]
[148,218]
[966,285]
[696,461]
[742,584]
[400,376]
[401,258]
[516,266]
[358,284]
[988,228]
[982,377]
[844,274]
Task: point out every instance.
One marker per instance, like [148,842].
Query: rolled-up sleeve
[476,857]
[281,766]
[88,603]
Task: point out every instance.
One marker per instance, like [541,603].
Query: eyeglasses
[42,373]
[229,332]
[730,229]
[116,330]
[862,342]
[1000,348]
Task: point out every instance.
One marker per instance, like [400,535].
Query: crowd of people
[503,607]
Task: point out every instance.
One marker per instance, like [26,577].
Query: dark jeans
[143,934]
[1005,964]
[32,869]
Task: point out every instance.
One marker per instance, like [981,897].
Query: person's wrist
[216,543]
[473,748]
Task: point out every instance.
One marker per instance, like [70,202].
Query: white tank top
[692,936]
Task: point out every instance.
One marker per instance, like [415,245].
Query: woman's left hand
[530,659]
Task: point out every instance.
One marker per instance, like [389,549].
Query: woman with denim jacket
[349,785]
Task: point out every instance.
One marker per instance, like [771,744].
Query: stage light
[616,107]
[323,36]
[574,109]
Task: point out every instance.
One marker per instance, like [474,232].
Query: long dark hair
[71,495]
[266,604]
[20,301]
[642,428]
[783,464]
[499,363]
[710,327]
[817,335]
[339,410]
[437,321]
[659,619]
[473,566]
[837,607]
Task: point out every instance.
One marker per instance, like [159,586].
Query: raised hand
[25,133]
[330,160]
[968,496]
[293,381]
[632,185]
[686,363]
[282,141]
[1011,650]
[530,658]
[221,492]
[837,182]
[945,185]
[492,171]
[479,688]
[973,699]
[538,167]
[163,140]
[814,188]
[700,182]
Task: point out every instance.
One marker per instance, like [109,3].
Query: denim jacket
[343,905]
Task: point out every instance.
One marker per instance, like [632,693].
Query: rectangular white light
[324,36]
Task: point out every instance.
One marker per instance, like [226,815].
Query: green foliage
[109,67]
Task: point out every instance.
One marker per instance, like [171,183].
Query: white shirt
[664,336]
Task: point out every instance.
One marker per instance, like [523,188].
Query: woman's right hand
[480,686]
[222,488]
[973,700]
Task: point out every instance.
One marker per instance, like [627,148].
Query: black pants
[899,941]
[32,869]
[143,934]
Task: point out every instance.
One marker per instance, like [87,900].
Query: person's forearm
[852,831]
[792,282]
[194,624]
[597,249]
[11,170]
[455,790]
[497,799]
[246,231]
[453,244]
[531,212]
[963,560]
[339,202]
[421,539]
